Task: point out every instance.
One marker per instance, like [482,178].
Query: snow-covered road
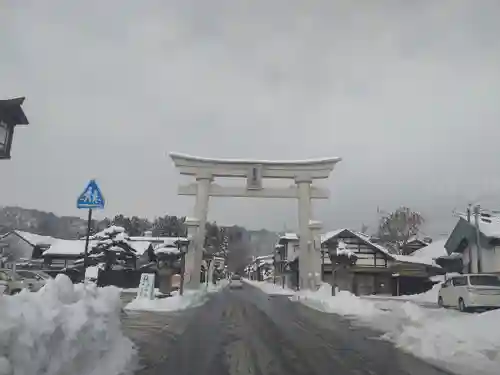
[462,343]
[246,331]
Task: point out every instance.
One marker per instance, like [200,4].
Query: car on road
[471,292]
[235,282]
[11,282]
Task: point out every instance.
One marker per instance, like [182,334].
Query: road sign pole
[86,254]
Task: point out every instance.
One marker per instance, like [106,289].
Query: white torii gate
[303,172]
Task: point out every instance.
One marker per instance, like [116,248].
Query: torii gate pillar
[303,172]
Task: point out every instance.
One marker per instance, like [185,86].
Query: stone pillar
[191,273]
[304,191]
[203,181]
[315,253]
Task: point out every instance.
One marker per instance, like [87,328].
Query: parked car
[235,282]
[13,283]
[36,278]
[471,292]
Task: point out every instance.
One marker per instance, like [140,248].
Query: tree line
[218,239]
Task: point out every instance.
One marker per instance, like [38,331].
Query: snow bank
[269,288]
[191,298]
[463,343]
[430,296]
[344,303]
[63,329]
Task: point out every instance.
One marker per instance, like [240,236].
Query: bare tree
[397,228]
[364,228]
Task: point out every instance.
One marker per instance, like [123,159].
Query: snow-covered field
[64,329]
[191,298]
[463,343]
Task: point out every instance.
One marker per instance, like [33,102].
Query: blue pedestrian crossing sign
[91,197]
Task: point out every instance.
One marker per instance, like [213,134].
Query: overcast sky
[406,92]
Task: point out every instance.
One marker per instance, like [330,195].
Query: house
[260,268]
[377,270]
[219,262]
[19,245]
[142,243]
[287,260]
[479,254]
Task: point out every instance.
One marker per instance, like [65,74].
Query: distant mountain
[39,222]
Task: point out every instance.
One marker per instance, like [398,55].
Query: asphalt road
[246,332]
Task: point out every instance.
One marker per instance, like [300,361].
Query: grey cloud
[406,92]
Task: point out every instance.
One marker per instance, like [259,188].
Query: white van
[470,292]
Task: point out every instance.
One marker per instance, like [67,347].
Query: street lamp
[182,245]
[11,115]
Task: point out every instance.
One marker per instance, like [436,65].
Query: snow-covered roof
[262,257]
[329,235]
[432,251]
[412,259]
[32,238]
[489,226]
[169,241]
[107,232]
[289,237]
[365,238]
[67,247]
[261,262]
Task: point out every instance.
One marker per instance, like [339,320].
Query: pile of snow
[463,343]
[344,303]
[342,250]
[431,296]
[190,298]
[63,329]
[269,288]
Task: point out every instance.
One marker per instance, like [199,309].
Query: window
[447,283]
[485,280]
[460,281]
[4,136]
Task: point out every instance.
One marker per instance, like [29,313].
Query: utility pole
[477,213]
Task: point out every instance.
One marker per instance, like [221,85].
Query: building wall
[362,283]
[491,260]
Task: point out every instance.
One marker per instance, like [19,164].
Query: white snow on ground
[463,343]
[269,288]
[191,298]
[136,290]
[64,329]
[429,297]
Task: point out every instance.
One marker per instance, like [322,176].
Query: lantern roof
[12,113]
